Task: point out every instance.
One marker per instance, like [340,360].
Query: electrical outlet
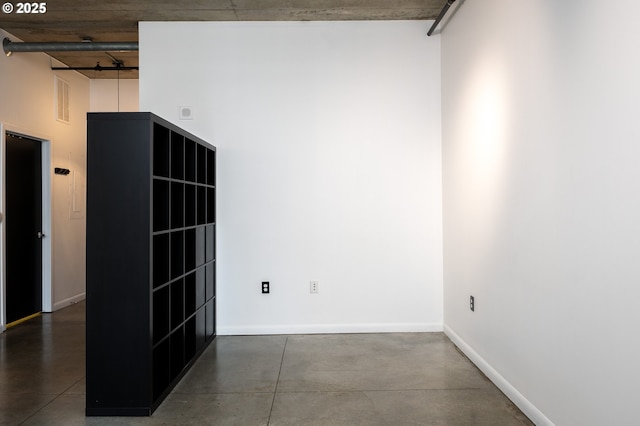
[265,287]
[472,303]
[313,287]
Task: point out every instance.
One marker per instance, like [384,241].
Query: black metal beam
[439,18]
[96,68]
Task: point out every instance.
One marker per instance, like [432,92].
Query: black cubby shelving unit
[151,259]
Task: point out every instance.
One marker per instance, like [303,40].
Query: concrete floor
[361,379]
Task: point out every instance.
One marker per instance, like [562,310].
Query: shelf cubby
[190,160]
[177,303]
[190,345]
[190,294]
[210,246]
[177,254]
[160,205]
[202,164]
[161,360]
[201,327]
[211,205]
[189,249]
[210,281]
[200,245]
[190,209]
[200,287]
[160,150]
[210,322]
[160,258]
[177,352]
[177,156]
[211,168]
[202,205]
[177,205]
[161,323]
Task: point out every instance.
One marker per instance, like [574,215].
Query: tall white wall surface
[541,209]
[112,95]
[27,106]
[328,137]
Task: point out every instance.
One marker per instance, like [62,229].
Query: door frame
[47,289]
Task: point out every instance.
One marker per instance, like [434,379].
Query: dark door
[23,216]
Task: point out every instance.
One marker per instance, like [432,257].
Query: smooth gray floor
[345,379]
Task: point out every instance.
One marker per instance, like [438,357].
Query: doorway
[24,227]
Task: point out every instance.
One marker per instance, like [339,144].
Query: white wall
[27,106]
[328,137]
[541,206]
[112,95]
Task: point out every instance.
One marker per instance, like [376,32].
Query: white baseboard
[328,329]
[70,301]
[530,410]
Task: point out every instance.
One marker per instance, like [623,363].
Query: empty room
[325,215]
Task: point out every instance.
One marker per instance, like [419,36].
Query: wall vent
[62,99]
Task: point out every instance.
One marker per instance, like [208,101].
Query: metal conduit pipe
[11,47]
[439,18]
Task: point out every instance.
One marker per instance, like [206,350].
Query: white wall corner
[530,410]
[69,301]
